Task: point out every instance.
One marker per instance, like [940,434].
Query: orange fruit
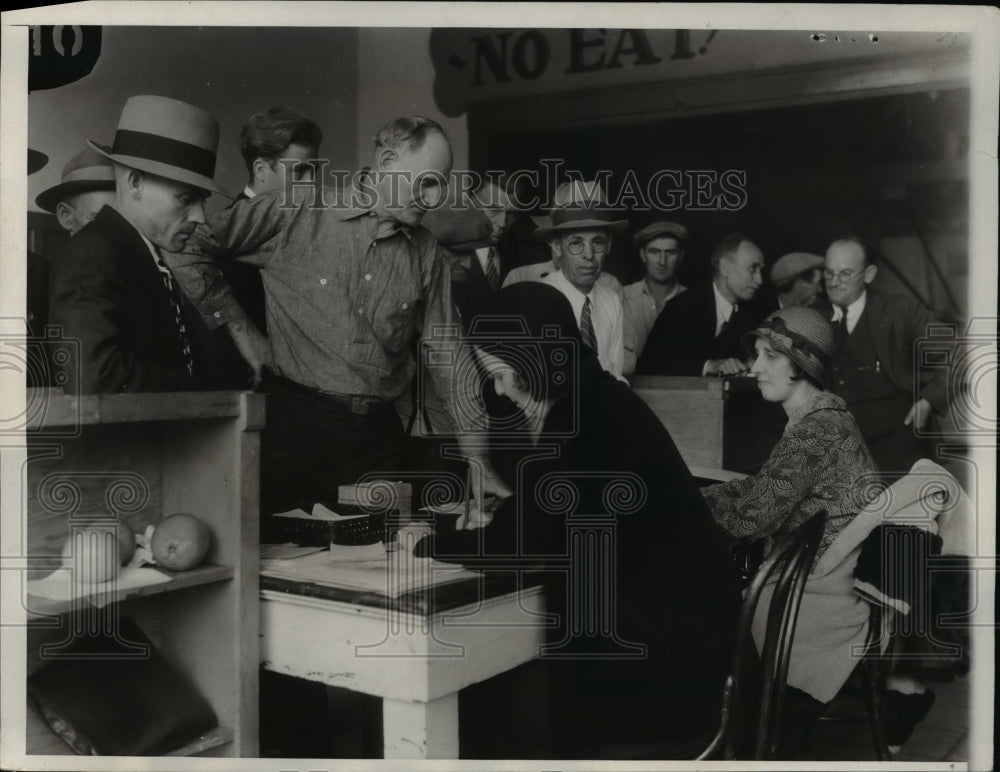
[180,542]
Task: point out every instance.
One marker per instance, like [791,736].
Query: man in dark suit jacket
[873,367]
[114,293]
[478,269]
[698,332]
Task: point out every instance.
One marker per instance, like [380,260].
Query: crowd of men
[325,307]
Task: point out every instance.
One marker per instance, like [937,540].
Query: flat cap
[791,265]
[658,229]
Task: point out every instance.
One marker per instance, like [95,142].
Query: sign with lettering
[60,54]
[481,64]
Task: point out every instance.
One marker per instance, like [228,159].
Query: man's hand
[252,345]
[728,366]
[483,482]
[919,414]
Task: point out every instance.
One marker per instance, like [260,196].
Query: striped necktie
[587,326]
[841,327]
[168,282]
[492,273]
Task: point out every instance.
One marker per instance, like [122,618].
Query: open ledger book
[369,568]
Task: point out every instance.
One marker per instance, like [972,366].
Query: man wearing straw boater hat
[114,292]
[88,183]
[580,238]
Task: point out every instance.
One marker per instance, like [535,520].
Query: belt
[356,404]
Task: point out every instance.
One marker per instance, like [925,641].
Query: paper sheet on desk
[59,585]
[390,573]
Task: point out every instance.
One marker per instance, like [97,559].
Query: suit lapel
[880,325]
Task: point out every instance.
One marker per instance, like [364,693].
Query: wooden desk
[415,652]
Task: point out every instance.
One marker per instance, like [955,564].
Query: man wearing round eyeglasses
[873,368]
[580,238]
[661,249]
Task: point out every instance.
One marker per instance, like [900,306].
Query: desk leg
[421,730]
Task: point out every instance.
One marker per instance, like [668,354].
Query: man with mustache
[580,239]
[113,291]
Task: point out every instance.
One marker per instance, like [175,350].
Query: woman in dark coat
[638,573]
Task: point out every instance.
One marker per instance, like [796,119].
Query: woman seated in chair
[821,462]
[639,579]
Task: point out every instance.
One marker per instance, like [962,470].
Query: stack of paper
[368,568]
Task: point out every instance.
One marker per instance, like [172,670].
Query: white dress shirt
[641,312]
[854,311]
[483,256]
[606,315]
[723,310]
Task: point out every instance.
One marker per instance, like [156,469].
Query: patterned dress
[820,462]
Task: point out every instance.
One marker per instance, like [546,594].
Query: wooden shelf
[206,574]
[54,409]
[218,736]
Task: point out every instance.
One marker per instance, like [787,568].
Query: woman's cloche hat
[802,334]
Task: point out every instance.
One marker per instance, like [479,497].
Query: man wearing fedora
[88,183]
[580,237]
[114,291]
[698,332]
[661,250]
[798,279]
[568,193]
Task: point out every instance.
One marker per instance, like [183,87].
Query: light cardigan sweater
[833,620]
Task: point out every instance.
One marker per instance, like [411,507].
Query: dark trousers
[312,443]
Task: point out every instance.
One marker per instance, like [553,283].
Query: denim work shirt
[345,310]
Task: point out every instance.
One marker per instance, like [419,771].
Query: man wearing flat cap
[113,291]
[798,279]
[661,249]
[580,239]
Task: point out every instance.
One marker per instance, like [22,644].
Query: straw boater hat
[791,265]
[87,170]
[580,206]
[802,334]
[168,138]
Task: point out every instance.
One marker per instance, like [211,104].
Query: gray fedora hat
[168,138]
[580,206]
[87,170]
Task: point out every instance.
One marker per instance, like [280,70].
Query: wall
[396,77]
[231,72]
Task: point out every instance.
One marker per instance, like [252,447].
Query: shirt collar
[854,310]
[560,277]
[152,248]
[351,212]
[249,192]
[723,307]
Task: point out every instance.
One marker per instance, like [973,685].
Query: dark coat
[675,590]
[470,288]
[683,337]
[897,322]
[109,295]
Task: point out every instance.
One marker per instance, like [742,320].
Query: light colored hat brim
[547,231]
[167,171]
[49,199]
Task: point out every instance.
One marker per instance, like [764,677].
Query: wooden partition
[716,423]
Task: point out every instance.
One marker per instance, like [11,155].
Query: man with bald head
[873,368]
[698,332]
[352,283]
